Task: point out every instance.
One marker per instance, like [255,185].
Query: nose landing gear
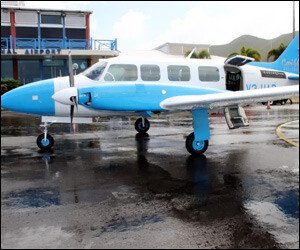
[45,141]
[142,125]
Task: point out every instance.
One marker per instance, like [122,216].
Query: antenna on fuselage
[189,56]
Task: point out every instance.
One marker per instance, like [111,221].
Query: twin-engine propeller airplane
[145,87]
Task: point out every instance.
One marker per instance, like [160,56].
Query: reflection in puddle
[38,197]
[288,202]
[122,224]
[283,227]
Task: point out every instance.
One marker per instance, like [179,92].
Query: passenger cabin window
[95,71]
[179,73]
[208,74]
[121,72]
[150,72]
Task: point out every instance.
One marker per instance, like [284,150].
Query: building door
[53,68]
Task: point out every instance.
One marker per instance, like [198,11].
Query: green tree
[248,52]
[275,53]
[201,55]
[204,54]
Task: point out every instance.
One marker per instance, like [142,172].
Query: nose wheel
[142,125]
[45,141]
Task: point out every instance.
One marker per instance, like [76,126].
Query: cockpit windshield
[95,71]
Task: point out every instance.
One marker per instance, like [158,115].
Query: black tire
[189,145]
[139,125]
[45,145]
[283,102]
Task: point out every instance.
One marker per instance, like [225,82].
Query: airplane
[149,86]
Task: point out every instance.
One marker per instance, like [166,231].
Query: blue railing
[53,43]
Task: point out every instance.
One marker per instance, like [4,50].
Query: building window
[121,72]
[51,19]
[52,33]
[6,69]
[53,68]
[29,71]
[5,31]
[27,32]
[75,33]
[150,72]
[179,73]
[208,74]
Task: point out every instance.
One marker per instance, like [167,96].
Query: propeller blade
[71,81]
[71,73]
[72,114]
[74,100]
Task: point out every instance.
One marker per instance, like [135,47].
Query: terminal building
[35,43]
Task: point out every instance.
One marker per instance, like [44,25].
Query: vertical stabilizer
[288,61]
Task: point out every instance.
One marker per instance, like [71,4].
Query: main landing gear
[45,141]
[197,142]
[142,125]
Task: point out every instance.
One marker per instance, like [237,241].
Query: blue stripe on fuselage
[136,97]
[33,98]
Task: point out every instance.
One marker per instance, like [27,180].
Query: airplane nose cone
[5,100]
[33,98]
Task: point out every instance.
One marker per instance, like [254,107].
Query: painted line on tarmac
[282,136]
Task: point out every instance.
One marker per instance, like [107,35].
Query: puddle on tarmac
[121,225]
[34,197]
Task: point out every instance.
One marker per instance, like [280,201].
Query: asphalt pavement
[105,186]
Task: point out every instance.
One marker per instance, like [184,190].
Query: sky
[144,25]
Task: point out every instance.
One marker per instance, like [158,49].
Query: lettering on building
[31,52]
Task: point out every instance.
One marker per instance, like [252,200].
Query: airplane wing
[224,99]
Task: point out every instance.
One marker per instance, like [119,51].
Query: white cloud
[131,24]
[76,5]
[221,22]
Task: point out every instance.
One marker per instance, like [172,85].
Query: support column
[87,30]
[13,27]
[39,30]
[15,69]
[64,31]
[89,62]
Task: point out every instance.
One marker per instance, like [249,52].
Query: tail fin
[288,61]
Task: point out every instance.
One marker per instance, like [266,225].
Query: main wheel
[283,102]
[195,147]
[45,144]
[139,125]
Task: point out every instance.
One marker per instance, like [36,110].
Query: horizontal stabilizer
[294,78]
[188,102]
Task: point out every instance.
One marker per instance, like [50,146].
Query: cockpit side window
[95,71]
[208,74]
[121,72]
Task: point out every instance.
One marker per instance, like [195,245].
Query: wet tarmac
[105,186]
